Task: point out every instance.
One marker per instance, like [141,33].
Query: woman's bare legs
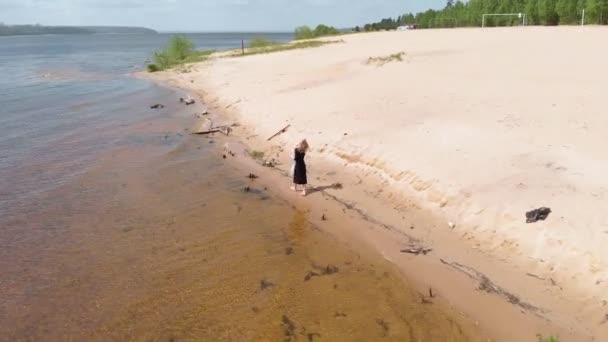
[294,187]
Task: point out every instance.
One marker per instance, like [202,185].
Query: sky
[208,15]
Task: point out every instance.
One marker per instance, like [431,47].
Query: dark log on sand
[223,130]
[232,104]
[214,130]
[416,250]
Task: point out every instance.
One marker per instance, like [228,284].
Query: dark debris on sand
[384,325]
[321,271]
[264,284]
[289,329]
[539,214]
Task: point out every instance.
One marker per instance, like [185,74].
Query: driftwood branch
[221,129]
[232,104]
[416,250]
[279,132]
[224,130]
[213,130]
[535,276]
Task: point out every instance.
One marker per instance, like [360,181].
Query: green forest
[469,14]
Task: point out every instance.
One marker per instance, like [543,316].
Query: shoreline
[454,290]
[460,258]
[170,247]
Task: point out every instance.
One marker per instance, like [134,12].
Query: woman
[299,167]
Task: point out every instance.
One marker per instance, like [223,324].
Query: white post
[483,21]
[583,18]
[522,16]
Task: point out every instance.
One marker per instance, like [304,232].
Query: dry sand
[475,126]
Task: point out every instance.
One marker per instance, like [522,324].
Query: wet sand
[160,241]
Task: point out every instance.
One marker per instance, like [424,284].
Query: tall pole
[583,18]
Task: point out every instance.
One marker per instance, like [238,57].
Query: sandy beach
[464,135]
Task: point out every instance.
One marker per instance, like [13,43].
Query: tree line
[469,14]
[305,32]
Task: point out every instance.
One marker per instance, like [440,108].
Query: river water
[58,94]
[116,224]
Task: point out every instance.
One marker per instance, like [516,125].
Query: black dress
[299,171]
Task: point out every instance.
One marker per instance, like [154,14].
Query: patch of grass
[380,61]
[261,42]
[548,338]
[283,47]
[180,50]
[256,154]
[198,56]
[152,68]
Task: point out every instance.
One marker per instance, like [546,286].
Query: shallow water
[116,224]
[64,100]
[160,242]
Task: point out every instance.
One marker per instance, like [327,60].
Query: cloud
[11,4]
[208,15]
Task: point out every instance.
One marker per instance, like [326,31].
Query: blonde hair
[302,146]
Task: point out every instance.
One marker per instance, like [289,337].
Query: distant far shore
[35,30]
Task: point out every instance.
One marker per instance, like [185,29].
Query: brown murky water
[159,242]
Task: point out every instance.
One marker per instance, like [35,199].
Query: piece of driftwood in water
[213,130]
[279,132]
[264,284]
[201,114]
[188,101]
[225,130]
[204,126]
[311,274]
[222,129]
